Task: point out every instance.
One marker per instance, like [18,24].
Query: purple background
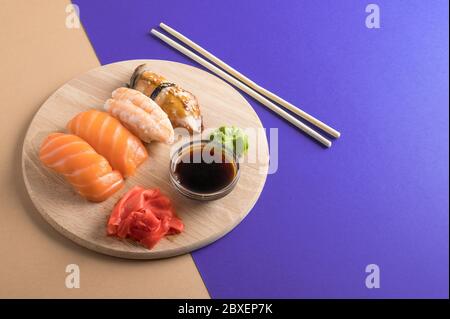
[379,195]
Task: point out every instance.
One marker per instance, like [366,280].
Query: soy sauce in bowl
[204,170]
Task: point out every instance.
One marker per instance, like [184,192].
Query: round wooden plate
[84,222]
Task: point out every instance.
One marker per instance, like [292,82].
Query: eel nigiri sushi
[141,115]
[88,172]
[109,138]
[180,105]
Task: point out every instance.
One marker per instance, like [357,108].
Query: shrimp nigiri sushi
[88,172]
[141,115]
[109,138]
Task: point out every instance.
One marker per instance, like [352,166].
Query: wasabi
[232,138]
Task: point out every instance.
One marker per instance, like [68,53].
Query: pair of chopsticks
[248,86]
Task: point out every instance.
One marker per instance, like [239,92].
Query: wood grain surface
[84,222]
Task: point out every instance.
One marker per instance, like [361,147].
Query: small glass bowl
[178,155]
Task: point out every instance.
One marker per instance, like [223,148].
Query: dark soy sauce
[200,176]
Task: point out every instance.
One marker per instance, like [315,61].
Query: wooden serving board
[85,222]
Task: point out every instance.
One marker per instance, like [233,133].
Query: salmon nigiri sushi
[141,115]
[88,172]
[109,138]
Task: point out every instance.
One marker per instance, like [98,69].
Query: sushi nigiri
[180,105]
[109,138]
[141,115]
[88,172]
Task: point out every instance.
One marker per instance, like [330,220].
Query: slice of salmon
[88,172]
[124,151]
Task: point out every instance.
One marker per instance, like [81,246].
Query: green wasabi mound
[233,138]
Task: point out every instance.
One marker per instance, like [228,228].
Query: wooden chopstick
[250,83]
[244,88]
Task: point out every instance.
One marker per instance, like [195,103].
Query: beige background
[37,55]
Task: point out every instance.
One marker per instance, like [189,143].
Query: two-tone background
[378,196]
